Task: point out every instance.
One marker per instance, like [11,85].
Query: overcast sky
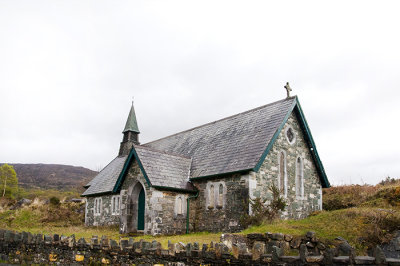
[69,69]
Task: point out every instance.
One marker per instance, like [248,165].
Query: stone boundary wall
[253,249]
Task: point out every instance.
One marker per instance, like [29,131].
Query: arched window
[97,206]
[212,199]
[115,203]
[179,206]
[299,178]
[220,195]
[282,173]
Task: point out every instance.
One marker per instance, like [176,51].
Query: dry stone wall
[253,249]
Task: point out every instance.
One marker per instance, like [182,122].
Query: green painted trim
[274,137]
[314,152]
[175,189]
[219,175]
[304,125]
[132,154]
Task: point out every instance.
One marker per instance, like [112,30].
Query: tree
[8,181]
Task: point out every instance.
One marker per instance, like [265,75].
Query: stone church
[202,179]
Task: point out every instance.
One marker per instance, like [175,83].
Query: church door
[141,208]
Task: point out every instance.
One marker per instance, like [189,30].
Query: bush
[54,201]
[262,212]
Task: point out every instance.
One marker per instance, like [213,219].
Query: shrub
[54,201]
[262,212]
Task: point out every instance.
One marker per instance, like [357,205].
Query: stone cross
[288,89]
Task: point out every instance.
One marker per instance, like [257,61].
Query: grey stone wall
[220,217]
[105,218]
[161,216]
[298,207]
[253,249]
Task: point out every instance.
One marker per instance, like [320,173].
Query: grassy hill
[52,176]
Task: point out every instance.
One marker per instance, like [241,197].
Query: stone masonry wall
[298,207]
[219,217]
[254,249]
[105,218]
[161,215]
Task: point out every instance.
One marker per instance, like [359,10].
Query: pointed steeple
[131,133]
[131,122]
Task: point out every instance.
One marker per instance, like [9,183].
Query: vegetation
[264,213]
[372,211]
[8,181]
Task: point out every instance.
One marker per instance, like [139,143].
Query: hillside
[52,176]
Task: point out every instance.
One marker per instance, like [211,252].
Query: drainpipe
[188,209]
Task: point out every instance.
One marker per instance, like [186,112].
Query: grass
[372,220]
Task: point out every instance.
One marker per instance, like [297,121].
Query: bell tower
[131,133]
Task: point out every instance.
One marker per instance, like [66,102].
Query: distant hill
[52,176]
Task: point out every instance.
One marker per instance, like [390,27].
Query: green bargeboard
[141,209]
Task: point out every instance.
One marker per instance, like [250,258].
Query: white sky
[68,71]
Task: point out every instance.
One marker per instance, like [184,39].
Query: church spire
[131,133]
[131,122]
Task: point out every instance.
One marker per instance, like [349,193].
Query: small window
[212,199]
[299,178]
[179,206]
[220,195]
[97,206]
[290,135]
[115,205]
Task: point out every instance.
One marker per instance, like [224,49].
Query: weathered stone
[288,238]
[276,253]
[123,244]
[310,244]
[48,240]
[379,255]
[344,249]
[113,244]
[341,259]
[321,246]
[314,259]
[310,235]
[393,262]
[296,242]
[364,260]
[329,254]
[277,236]
[258,250]
[303,253]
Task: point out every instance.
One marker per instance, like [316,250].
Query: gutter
[188,210]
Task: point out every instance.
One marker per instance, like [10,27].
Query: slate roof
[163,169]
[231,144]
[105,181]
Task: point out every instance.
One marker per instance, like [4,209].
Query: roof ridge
[228,117]
[164,152]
